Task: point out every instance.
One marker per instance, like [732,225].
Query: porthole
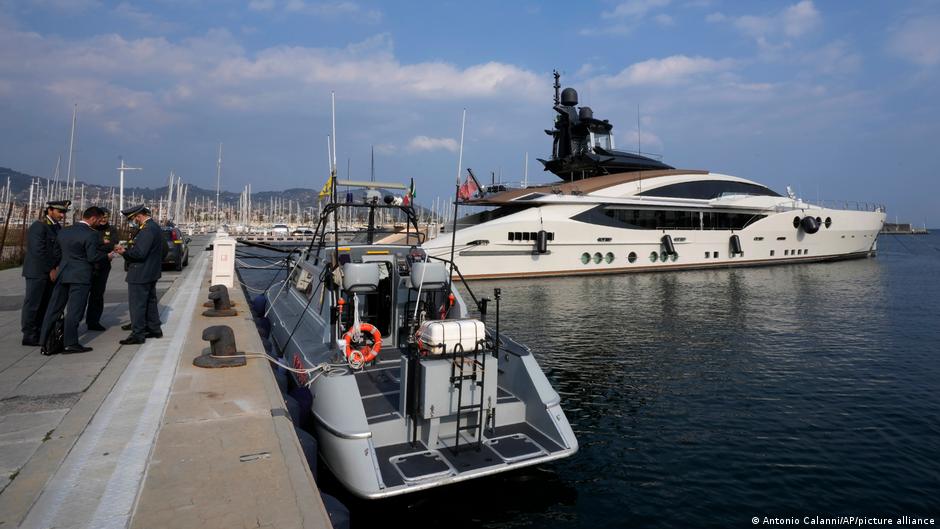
[828,222]
[674,257]
[663,256]
[632,257]
[818,221]
[598,257]
[609,257]
[796,222]
[585,258]
[654,256]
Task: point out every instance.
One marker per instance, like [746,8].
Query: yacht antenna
[639,150]
[525,178]
[373,163]
[453,233]
[557,85]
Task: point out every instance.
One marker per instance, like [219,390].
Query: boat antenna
[557,86]
[639,150]
[333,177]
[453,234]
[373,163]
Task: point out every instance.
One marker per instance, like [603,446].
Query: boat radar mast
[583,147]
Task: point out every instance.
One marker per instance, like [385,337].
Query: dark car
[177,246]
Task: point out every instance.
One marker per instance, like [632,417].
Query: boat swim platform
[136,436]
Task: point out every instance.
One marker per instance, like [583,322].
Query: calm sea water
[705,398]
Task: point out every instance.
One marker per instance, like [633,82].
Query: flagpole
[453,235]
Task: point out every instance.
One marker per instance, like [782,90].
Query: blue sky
[837,99]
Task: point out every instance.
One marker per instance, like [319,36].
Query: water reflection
[703,398]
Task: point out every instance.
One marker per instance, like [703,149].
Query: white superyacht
[617,212]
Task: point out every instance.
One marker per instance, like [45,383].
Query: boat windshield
[601,140]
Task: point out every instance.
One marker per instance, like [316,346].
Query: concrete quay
[136,436]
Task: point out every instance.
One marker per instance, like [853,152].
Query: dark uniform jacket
[42,253]
[105,244]
[80,252]
[145,256]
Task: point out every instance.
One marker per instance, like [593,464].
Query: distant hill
[20,182]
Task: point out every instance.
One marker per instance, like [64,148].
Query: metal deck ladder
[477,373]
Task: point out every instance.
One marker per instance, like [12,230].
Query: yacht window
[609,257]
[781,238]
[669,219]
[632,257]
[511,238]
[709,189]
[597,257]
[525,236]
[533,236]
[518,235]
[603,239]
[601,140]
[716,255]
[786,252]
[758,238]
[585,258]
[771,253]
[654,256]
[551,236]
[708,255]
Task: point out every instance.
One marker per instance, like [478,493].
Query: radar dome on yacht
[569,97]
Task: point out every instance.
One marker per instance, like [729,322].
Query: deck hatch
[421,465]
[515,447]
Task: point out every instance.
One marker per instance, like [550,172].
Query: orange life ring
[367,353]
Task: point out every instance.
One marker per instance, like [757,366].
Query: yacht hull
[580,248]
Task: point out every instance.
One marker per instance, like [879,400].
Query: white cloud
[835,58]
[664,20]
[793,21]
[800,19]
[69,6]
[917,40]
[145,20]
[261,5]
[425,143]
[334,9]
[635,8]
[715,17]
[667,71]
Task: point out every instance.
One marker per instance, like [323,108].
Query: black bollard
[222,305]
[215,288]
[222,351]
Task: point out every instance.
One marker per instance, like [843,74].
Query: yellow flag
[327,187]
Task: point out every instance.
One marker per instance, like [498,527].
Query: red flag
[468,189]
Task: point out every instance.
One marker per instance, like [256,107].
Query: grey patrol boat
[409,391]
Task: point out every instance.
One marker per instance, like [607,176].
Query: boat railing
[852,205]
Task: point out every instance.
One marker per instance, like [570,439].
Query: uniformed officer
[79,244]
[39,268]
[145,258]
[99,278]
